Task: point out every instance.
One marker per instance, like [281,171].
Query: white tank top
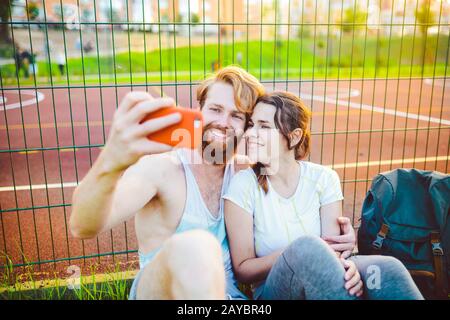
[196,215]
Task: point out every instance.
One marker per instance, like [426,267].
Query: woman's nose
[250,133]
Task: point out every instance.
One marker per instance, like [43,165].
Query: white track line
[388,162]
[36,98]
[352,93]
[336,166]
[437,82]
[367,107]
[39,186]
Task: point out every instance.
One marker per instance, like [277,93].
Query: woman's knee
[391,265]
[386,278]
[307,250]
[307,246]
[386,267]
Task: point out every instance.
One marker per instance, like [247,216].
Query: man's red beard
[219,153]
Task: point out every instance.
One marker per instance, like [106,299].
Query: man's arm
[113,191]
[104,200]
[330,225]
[345,242]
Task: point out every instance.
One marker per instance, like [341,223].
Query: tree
[178,18]
[425,17]
[353,18]
[32,10]
[195,19]
[5,15]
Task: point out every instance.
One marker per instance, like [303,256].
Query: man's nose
[223,121]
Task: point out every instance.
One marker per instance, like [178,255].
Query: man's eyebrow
[263,121]
[237,112]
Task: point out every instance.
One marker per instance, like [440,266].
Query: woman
[277,211]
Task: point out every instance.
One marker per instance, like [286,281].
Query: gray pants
[309,269]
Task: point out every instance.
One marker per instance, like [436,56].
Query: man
[18,58]
[61,61]
[25,58]
[183,249]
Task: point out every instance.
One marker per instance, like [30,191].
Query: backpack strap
[378,242]
[439,266]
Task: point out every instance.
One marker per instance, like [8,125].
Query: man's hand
[353,282]
[128,140]
[345,243]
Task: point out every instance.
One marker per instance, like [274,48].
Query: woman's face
[265,143]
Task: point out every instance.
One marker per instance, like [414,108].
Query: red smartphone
[185,134]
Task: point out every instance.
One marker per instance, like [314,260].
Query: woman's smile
[254,143]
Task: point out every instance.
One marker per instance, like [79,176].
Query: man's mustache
[228,132]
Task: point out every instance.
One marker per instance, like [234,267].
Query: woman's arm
[247,267]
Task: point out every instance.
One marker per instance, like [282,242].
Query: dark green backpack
[405,215]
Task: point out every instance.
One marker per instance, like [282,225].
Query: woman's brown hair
[291,113]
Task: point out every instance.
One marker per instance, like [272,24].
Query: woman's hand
[353,282]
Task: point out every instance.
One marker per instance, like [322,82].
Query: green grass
[295,59]
[110,285]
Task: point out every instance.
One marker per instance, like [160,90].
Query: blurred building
[226,16]
[221,13]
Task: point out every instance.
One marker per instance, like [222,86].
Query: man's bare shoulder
[241,162]
[155,165]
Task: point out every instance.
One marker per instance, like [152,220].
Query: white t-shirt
[277,221]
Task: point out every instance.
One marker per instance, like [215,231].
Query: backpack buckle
[436,244]
[378,242]
[437,249]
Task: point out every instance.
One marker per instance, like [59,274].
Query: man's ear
[295,137]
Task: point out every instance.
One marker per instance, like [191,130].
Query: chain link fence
[374,73]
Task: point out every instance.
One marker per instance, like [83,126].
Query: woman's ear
[295,137]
